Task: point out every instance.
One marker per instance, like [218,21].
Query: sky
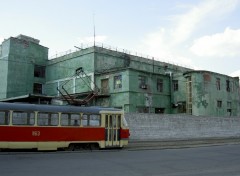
[199,34]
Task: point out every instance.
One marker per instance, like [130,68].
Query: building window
[118,82]
[228,85]
[159,85]
[218,84]
[229,104]
[142,109]
[159,110]
[229,108]
[142,82]
[219,104]
[229,112]
[175,85]
[39,71]
[37,88]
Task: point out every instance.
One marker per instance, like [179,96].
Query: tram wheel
[71,147]
[94,147]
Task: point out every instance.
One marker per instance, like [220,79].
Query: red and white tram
[50,127]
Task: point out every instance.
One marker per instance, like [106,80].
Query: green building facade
[121,80]
[22,66]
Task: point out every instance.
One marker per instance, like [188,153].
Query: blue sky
[201,34]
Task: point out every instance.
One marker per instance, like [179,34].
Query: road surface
[221,160]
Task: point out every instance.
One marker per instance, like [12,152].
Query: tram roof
[54,108]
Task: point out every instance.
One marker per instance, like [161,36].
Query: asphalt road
[221,160]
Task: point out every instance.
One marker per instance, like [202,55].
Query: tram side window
[94,120]
[23,118]
[47,119]
[85,120]
[70,119]
[91,120]
[4,118]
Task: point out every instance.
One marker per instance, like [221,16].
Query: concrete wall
[176,126]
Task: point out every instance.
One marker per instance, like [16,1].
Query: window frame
[219,103]
[117,81]
[175,85]
[218,83]
[30,118]
[159,85]
[39,71]
[142,81]
[37,88]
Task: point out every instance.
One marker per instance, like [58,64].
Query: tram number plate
[35,133]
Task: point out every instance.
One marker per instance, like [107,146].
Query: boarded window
[206,77]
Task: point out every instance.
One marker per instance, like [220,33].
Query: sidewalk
[180,143]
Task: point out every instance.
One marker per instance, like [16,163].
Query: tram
[53,127]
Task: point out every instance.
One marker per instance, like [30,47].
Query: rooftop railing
[117,49]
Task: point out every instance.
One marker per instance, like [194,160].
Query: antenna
[94,29]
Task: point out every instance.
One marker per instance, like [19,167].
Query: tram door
[112,129]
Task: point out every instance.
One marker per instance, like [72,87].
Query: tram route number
[35,133]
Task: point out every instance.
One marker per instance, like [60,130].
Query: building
[211,93]
[119,79]
[22,68]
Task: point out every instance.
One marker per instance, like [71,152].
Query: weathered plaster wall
[205,94]
[64,68]
[21,56]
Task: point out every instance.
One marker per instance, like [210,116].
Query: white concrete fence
[180,126]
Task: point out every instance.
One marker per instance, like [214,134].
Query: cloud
[170,42]
[235,74]
[1,39]
[224,44]
[99,39]
[186,24]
